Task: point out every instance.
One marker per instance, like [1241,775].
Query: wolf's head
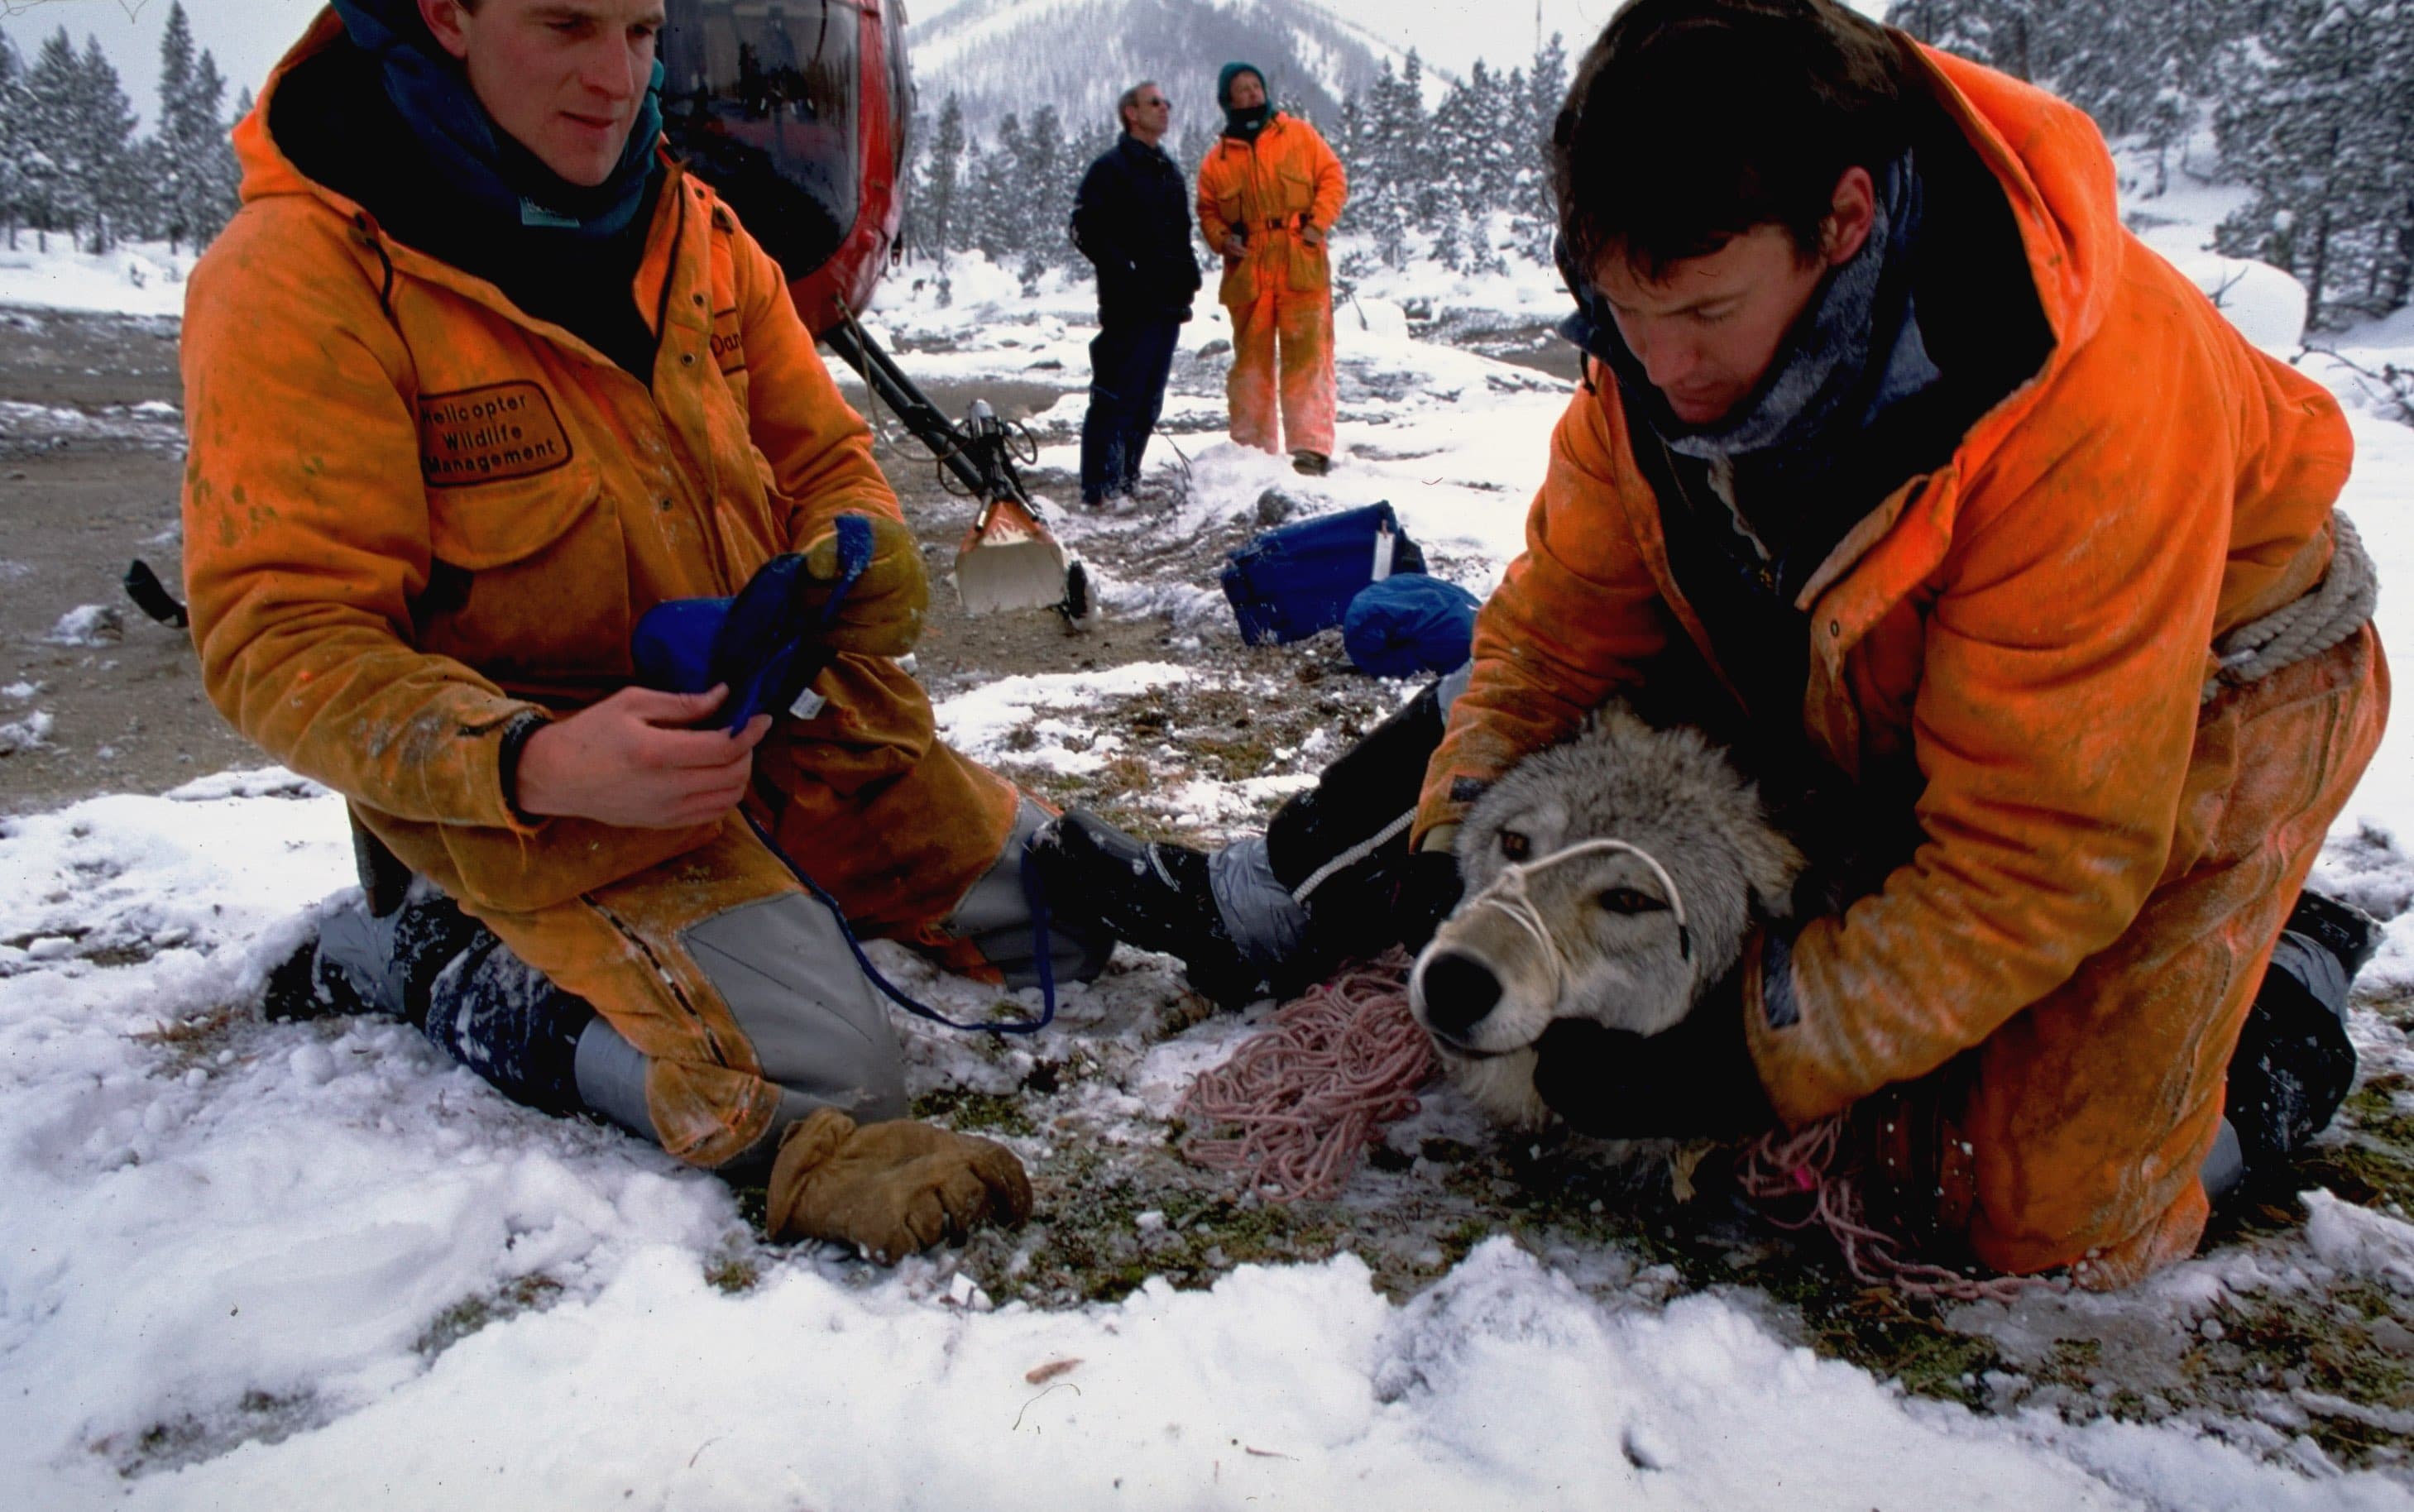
[1557,926]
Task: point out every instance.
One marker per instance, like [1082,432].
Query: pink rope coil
[1297,1105]
[1814,1162]
[1304,1098]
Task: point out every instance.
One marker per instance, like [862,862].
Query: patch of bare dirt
[89,466]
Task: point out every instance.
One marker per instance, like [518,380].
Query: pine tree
[1040,168]
[13,143]
[218,187]
[189,158]
[54,199]
[940,198]
[1546,91]
[2311,120]
[1001,230]
[105,136]
[2393,264]
[1391,166]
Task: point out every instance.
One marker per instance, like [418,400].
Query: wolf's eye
[1628,900]
[1515,845]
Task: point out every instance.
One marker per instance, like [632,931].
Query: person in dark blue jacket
[1132,220]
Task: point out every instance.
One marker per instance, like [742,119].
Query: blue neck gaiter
[494,173]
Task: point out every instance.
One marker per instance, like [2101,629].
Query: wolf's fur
[1670,794]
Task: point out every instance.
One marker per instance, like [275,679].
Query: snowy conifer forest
[72,162]
[2308,103]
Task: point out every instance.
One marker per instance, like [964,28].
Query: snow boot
[505,1021]
[2294,1061]
[1151,895]
[360,962]
[1310,463]
[446,974]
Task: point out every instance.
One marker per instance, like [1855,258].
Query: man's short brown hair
[1690,122]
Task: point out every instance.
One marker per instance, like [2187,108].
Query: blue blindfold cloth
[761,641]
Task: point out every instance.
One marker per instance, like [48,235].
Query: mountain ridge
[998,56]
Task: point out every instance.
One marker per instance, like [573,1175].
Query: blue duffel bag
[1287,585]
[1408,624]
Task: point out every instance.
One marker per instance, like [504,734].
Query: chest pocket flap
[503,477]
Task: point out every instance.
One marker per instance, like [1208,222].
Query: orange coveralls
[2065,964]
[411,513]
[1280,292]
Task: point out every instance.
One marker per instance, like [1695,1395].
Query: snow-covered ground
[317,1265]
[137,278]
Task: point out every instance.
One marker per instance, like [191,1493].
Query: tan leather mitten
[881,613]
[890,1188]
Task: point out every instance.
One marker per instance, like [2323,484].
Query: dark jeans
[1128,363]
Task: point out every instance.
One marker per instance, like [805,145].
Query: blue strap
[854,555]
[1031,891]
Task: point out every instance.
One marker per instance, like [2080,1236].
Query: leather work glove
[890,1188]
[1429,892]
[1696,1080]
[880,613]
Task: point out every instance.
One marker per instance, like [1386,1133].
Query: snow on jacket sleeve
[1540,669]
[306,530]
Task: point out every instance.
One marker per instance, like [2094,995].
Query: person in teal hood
[1269,192]
[1244,121]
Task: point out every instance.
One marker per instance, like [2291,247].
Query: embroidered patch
[489,434]
[728,342]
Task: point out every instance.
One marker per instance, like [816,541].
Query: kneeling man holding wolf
[1902,465]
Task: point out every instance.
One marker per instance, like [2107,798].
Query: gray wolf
[1614,877]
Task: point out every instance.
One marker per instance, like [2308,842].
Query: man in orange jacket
[475,378]
[2010,568]
[1269,192]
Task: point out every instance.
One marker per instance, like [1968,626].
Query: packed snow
[318,1265]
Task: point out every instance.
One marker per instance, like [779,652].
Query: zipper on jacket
[669,980]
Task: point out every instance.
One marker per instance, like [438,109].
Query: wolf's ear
[1770,864]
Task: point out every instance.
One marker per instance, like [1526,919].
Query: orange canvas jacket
[1262,190]
[2033,622]
[412,512]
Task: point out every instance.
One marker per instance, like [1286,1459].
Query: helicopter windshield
[760,96]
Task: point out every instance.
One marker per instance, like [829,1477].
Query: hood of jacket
[2055,170]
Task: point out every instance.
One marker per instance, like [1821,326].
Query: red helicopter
[795,111]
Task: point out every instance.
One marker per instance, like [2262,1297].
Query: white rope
[1507,893]
[2318,620]
[1353,856]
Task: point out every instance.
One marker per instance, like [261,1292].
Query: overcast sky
[249,36]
